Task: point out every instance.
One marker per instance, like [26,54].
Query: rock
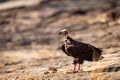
[52,69]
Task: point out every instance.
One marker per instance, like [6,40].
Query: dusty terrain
[30,44]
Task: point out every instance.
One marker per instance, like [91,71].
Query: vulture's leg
[78,67]
[75,64]
[80,62]
[74,70]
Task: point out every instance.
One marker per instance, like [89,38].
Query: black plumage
[80,51]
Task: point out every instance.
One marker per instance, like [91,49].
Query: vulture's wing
[83,47]
[88,51]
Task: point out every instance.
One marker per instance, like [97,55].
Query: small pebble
[53,69]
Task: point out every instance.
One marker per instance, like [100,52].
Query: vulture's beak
[59,33]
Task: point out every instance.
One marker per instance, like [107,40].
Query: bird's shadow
[107,69]
[111,69]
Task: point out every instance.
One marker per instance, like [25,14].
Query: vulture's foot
[76,70]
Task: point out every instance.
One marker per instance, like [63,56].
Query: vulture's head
[63,32]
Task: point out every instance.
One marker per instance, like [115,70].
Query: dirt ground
[30,44]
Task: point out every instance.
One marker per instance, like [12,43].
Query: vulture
[79,51]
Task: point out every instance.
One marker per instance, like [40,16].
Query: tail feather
[97,54]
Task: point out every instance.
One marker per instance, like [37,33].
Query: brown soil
[30,44]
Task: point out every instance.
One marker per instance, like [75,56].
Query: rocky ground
[30,44]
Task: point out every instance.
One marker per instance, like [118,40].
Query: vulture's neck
[70,39]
